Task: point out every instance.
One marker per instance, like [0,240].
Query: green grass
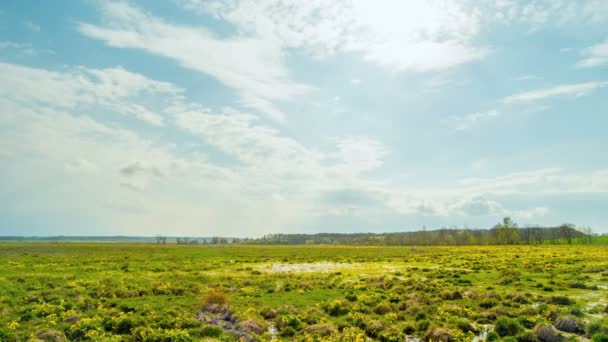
[141,292]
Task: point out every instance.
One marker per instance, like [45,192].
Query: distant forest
[507,232]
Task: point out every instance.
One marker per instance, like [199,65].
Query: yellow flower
[13,325]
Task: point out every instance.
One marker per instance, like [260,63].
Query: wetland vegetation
[150,292]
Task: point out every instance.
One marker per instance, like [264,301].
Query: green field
[144,292]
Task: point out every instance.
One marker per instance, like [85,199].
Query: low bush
[505,326]
[215,297]
[546,333]
[569,324]
[527,336]
[601,337]
[210,331]
[561,300]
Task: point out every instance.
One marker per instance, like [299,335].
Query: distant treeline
[505,233]
[117,238]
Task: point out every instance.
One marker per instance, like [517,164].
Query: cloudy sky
[240,118]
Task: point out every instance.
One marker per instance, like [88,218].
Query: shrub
[48,336]
[215,297]
[210,331]
[383,309]
[124,326]
[423,325]
[488,303]
[320,330]
[492,336]
[505,326]
[391,335]
[374,328]
[527,336]
[465,326]
[350,296]
[596,328]
[288,320]
[525,322]
[268,313]
[546,333]
[438,335]
[288,332]
[409,329]
[577,312]
[569,324]
[561,300]
[601,337]
[451,295]
[253,326]
[313,316]
[337,307]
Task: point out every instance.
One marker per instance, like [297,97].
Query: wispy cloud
[465,122]
[525,78]
[261,78]
[419,36]
[594,56]
[26,49]
[112,88]
[578,89]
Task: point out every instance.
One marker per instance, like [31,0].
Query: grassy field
[126,292]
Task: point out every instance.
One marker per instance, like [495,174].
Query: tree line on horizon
[506,232]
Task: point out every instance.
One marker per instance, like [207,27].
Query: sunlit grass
[180,293]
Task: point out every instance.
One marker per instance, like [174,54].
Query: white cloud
[531,213]
[359,154]
[112,88]
[264,180]
[594,56]
[419,36]
[252,66]
[540,14]
[24,49]
[578,89]
[355,81]
[525,78]
[461,123]
[550,181]
[237,134]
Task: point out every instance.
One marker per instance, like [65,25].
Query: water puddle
[317,267]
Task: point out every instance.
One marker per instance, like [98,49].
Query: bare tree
[538,235]
[507,232]
[588,232]
[566,231]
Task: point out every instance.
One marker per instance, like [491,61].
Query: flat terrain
[146,292]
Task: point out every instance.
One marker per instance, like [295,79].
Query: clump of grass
[337,307]
[546,333]
[488,303]
[561,300]
[569,324]
[383,309]
[215,297]
[601,337]
[526,336]
[438,334]
[505,326]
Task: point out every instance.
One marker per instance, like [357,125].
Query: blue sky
[240,118]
